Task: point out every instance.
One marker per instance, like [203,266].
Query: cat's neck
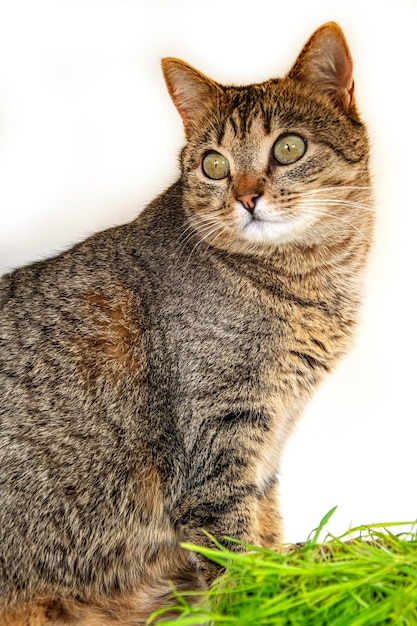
[306,269]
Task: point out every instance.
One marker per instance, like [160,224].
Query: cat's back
[43,304]
[74,409]
[74,336]
[47,289]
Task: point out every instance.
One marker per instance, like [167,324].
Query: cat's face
[282,162]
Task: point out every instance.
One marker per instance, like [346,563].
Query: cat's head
[278,163]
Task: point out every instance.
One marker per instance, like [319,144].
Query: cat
[151,374]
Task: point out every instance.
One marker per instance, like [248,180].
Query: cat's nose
[248,200]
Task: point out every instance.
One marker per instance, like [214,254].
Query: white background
[88,135]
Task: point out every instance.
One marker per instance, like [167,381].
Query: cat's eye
[215,165]
[289,148]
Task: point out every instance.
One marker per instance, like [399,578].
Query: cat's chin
[264,232]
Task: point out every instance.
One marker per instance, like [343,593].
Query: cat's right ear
[191,91]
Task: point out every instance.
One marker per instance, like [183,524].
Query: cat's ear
[325,62]
[191,91]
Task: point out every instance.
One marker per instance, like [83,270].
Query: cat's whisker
[205,232]
[337,188]
[195,226]
[318,210]
[187,234]
[324,194]
[321,194]
[346,202]
[327,203]
[220,232]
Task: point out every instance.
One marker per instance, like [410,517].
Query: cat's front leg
[253,519]
[268,533]
[232,491]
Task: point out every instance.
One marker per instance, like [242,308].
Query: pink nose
[247,199]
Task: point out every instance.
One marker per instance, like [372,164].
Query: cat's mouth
[261,227]
[268,225]
[263,220]
[263,230]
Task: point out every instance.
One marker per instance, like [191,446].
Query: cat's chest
[218,330]
[232,341]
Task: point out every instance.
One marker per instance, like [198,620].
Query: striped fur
[150,375]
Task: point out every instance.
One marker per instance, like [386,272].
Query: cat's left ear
[191,91]
[325,62]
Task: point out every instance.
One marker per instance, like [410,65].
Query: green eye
[215,165]
[289,148]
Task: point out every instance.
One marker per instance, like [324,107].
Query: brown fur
[150,375]
[114,344]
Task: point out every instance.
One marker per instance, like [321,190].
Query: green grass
[365,577]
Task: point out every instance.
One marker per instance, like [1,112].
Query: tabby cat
[150,375]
